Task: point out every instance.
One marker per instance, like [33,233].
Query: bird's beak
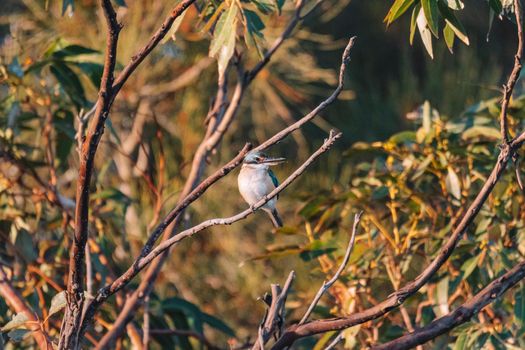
[273,161]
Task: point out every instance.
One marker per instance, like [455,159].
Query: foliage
[50,68]
[429,16]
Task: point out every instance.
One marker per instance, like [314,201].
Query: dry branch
[461,315]
[274,317]
[17,303]
[514,75]
[327,284]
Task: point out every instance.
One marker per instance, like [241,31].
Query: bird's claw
[252,208]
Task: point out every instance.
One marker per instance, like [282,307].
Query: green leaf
[17,321]
[69,82]
[74,50]
[424,32]
[454,23]
[192,312]
[453,184]
[17,335]
[455,4]
[58,303]
[519,306]
[479,131]
[461,342]
[265,6]
[121,3]
[430,9]
[448,34]
[397,9]
[254,27]
[218,324]
[496,6]
[92,70]
[63,122]
[316,249]
[174,28]
[223,42]
[24,243]
[469,266]
[280,4]
[413,23]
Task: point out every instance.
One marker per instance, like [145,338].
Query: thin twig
[334,342]
[327,284]
[145,326]
[514,75]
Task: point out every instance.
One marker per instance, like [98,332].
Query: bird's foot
[252,208]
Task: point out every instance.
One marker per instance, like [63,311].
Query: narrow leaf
[398,8]
[454,23]
[17,321]
[424,32]
[453,184]
[448,34]
[430,9]
[58,303]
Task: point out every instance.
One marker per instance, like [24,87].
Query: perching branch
[142,262]
[461,315]
[327,284]
[209,142]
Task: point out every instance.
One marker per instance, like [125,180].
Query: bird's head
[256,158]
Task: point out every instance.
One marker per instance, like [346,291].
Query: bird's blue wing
[274,179]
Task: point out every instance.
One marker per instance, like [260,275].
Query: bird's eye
[259,159]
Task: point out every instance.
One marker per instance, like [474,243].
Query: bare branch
[327,284]
[509,87]
[461,315]
[137,59]
[143,261]
[275,314]
[345,59]
[69,336]
[16,302]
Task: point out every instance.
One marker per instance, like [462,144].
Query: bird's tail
[276,219]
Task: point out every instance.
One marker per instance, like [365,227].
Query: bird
[256,180]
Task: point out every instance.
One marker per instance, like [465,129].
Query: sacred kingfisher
[256,180]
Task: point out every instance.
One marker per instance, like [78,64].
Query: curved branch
[459,316]
[142,262]
[15,301]
[327,284]
[514,75]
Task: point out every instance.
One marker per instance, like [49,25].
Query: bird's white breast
[255,183]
